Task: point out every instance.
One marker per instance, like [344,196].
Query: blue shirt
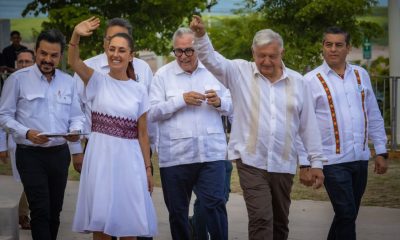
[29,101]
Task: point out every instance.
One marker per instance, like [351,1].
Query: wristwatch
[384,155]
[304,166]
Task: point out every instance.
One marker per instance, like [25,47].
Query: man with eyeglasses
[187,102]
[25,58]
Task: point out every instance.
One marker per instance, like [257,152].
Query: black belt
[44,149]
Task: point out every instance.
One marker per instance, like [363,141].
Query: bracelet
[73,44]
[149,166]
[304,166]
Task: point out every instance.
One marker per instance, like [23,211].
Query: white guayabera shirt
[188,134]
[268,116]
[353,129]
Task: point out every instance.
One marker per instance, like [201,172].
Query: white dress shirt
[346,96]
[268,116]
[143,73]
[187,134]
[29,101]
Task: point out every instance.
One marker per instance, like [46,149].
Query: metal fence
[387,96]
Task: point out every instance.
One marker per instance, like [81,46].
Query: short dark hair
[27,51]
[51,36]
[337,30]
[15,33]
[119,22]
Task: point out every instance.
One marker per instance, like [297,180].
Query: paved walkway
[309,220]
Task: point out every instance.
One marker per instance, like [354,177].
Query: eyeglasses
[179,51]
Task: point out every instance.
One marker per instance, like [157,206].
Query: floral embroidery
[333,113]
[362,103]
[114,126]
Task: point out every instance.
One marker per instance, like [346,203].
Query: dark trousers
[208,179]
[199,222]
[44,173]
[267,197]
[345,184]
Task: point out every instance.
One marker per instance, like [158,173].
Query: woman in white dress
[116,182]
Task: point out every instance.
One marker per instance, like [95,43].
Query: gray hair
[265,37]
[180,32]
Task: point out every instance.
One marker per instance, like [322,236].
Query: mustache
[47,63]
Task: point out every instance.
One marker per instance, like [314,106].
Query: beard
[46,67]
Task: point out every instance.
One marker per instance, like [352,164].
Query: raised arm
[225,70]
[84,28]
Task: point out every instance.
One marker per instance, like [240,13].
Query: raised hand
[86,28]
[197,26]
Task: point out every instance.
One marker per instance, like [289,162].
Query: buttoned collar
[284,76]
[40,75]
[103,60]
[328,70]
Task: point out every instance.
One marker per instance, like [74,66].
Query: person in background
[348,115]
[198,220]
[10,52]
[25,58]
[37,100]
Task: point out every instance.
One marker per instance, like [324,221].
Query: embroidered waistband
[114,126]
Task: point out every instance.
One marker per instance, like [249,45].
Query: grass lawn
[382,190]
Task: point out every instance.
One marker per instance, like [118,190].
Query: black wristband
[26,135]
[304,166]
[384,155]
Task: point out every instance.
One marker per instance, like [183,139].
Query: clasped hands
[312,177]
[195,98]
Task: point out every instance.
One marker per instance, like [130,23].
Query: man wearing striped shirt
[348,115]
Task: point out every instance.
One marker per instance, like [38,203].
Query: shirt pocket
[215,143]
[182,145]
[63,104]
[34,104]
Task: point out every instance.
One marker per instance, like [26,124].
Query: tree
[153,21]
[300,23]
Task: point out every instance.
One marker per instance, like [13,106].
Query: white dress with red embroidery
[113,195]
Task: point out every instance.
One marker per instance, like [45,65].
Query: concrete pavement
[309,220]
